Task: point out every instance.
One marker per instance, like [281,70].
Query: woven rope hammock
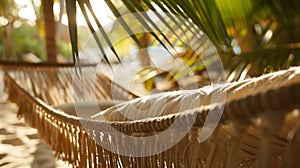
[259,126]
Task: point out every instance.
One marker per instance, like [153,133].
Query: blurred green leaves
[20,36]
[24,39]
[251,36]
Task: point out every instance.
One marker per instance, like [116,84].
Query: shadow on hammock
[258,127]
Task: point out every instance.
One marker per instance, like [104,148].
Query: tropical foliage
[251,36]
[20,36]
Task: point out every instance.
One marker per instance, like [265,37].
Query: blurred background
[251,37]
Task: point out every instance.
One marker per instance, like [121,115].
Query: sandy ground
[19,144]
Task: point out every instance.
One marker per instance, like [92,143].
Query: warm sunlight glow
[27,13]
[3,21]
[26,10]
[102,11]
[27,2]
[22,2]
[56,8]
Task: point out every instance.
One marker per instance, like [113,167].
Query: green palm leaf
[71,11]
[220,20]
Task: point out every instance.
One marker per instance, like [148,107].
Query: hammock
[258,127]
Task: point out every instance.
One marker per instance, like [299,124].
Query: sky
[102,11]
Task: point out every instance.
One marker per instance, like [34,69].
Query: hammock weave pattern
[259,126]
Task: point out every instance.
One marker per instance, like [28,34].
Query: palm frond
[181,22]
[122,21]
[71,12]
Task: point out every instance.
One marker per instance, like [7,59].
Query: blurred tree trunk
[145,59]
[50,29]
[8,51]
[143,53]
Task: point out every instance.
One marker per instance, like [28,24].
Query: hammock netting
[259,125]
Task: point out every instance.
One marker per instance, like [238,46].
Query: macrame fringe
[77,145]
[73,144]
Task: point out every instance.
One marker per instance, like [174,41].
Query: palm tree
[8,52]
[50,30]
[15,45]
[251,37]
